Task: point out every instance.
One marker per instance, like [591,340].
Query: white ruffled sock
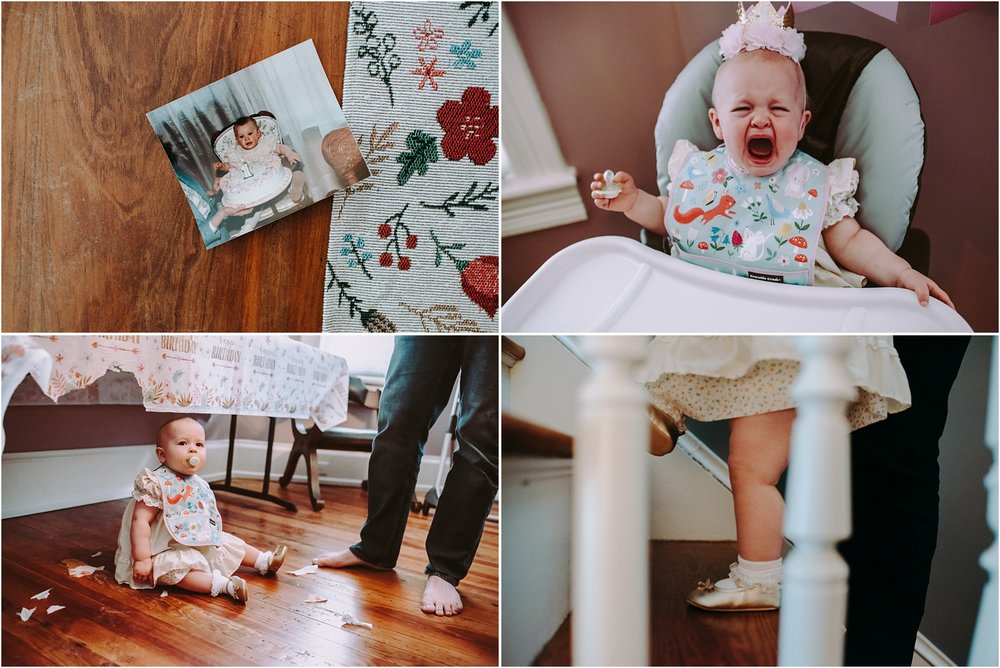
[748,573]
[263,561]
[220,583]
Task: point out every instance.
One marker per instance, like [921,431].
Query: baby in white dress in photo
[171,531]
[746,380]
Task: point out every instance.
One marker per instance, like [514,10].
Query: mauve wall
[602,70]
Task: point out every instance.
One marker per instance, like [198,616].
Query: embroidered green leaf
[470,200]
[422,151]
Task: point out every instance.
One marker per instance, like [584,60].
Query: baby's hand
[911,279]
[292,156]
[142,570]
[624,201]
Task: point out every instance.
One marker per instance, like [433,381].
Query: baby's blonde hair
[163,427]
[764,54]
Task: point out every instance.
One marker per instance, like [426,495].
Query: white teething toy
[611,189]
[193,460]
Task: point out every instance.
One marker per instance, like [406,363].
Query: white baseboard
[37,482]
[930,653]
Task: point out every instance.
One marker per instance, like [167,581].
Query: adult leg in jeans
[894,485]
[421,374]
[472,483]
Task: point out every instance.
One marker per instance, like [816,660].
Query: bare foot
[342,559]
[440,598]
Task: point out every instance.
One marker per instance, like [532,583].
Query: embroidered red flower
[719,175]
[470,126]
[481,282]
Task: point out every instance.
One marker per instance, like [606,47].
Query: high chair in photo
[864,107]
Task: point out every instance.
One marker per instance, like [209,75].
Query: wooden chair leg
[312,472]
[298,448]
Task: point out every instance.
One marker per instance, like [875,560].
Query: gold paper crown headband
[763,27]
[785,19]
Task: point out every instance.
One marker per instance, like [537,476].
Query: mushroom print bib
[766,228]
[189,509]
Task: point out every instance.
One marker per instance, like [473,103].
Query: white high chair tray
[615,284]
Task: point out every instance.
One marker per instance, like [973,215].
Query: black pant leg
[894,488]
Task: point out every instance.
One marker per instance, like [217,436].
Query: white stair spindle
[814,593]
[611,510]
[984,640]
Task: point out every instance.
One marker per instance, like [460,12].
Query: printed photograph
[259,144]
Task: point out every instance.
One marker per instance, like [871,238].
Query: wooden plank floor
[97,235]
[680,634]
[105,623]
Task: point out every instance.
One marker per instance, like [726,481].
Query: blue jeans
[418,384]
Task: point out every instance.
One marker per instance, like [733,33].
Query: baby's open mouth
[760,149]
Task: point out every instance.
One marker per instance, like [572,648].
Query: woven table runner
[414,248]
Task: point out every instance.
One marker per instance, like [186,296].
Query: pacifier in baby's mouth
[193,461]
[611,189]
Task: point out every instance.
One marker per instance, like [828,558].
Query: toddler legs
[758,455]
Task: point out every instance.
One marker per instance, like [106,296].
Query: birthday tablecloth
[266,375]
[414,247]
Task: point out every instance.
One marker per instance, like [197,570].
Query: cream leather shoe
[240,591]
[277,559]
[663,431]
[727,596]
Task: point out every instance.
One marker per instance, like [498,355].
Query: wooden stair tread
[521,437]
[681,635]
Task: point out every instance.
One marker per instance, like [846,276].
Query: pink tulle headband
[763,28]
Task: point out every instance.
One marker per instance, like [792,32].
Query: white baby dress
[171,560]
[719,377]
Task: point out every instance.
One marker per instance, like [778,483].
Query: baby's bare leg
[197,581]
[440,598]
[758,454]
[250,556]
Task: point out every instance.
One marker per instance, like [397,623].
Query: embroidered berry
[481,282]
[737,238]
[384,230]
[385,259]
[411,241]
[801,258]
[703,245]
[404,263]
[799,241]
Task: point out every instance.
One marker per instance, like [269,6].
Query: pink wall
[602,70]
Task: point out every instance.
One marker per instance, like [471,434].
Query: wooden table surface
[97,235]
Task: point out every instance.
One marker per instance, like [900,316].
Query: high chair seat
[864,107]
[614,284]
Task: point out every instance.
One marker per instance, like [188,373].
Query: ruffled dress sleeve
[682,149]
[843,180]
[147,489]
